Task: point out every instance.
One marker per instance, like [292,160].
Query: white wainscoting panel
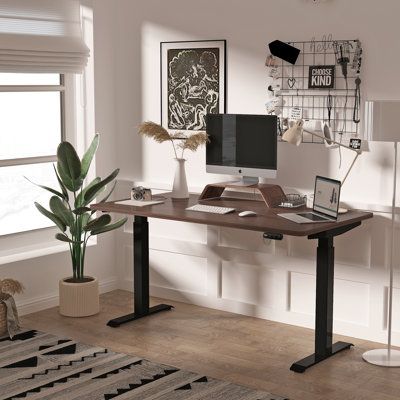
[396,309]
[170,271]
[178,230]
[354,248]
[253,284]
[351,299]
[351,302]
[234,238]
[302,293]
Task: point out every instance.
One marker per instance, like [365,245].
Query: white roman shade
[41,36]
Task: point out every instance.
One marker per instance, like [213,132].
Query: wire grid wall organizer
[294,91]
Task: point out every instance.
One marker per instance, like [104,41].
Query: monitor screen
[242,142]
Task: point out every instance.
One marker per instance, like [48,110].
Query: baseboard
[51,300]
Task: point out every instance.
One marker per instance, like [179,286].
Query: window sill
[37,250]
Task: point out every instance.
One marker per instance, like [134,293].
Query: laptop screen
[326,196]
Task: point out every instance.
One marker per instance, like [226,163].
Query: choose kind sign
[321,77]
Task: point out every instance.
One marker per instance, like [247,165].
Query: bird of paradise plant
[69,206]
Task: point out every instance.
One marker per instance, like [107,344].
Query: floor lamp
[294,135]
[382,125]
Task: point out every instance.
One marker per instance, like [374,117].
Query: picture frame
[193,83]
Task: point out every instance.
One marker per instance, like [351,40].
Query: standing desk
[267,221]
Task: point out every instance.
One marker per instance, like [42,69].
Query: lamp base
[383,357]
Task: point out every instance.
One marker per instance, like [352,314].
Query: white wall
[41,275]
[229,269]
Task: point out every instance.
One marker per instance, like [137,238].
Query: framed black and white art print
[192,83]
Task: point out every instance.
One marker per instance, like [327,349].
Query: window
[32,110]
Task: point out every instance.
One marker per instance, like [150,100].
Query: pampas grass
[193,142]
[10,287]
[159,134]
[154,131]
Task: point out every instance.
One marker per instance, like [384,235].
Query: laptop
[325,206]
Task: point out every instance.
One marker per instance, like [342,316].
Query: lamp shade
[293,134]
[381,123]
[284,51]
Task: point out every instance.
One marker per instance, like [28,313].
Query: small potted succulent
[183,142]
[70,212]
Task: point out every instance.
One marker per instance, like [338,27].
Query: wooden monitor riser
[271,194]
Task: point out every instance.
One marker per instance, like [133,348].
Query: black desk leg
[324,309]
[140,276]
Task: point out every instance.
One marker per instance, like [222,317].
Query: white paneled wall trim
[225,269]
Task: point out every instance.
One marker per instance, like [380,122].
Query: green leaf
[62,186]
[97,223]
[52,217]
[61,211]
[72,185]
[81,210]
[85,219]
[95,189]
[105,198]
[65,238]
[88,156]
[69,160]
[110,227]
[79,202]
[46,188]
[72,229]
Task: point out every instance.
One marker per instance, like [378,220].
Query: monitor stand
[246,181]
[271,194]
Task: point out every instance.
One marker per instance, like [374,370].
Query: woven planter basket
[79,299]
[3,316]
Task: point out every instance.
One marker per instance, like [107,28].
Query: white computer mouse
[247,214]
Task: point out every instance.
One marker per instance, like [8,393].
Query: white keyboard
[210,209]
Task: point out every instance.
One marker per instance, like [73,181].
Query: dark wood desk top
[266,219]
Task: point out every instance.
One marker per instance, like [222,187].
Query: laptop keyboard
[312,217]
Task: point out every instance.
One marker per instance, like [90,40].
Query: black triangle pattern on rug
[21,336]
[70,363]
[71,349]
[44,347]
[63,375]
[202,380]
[132,386]
[49,384]
[188,386]
[27,363]
[116,371]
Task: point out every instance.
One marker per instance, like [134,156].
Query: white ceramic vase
[79,299]
[180,187]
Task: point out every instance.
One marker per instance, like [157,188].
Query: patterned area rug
[37,365]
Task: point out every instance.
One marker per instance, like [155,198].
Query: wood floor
[248,351]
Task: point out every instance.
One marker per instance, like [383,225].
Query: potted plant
[185,142]
[70,212]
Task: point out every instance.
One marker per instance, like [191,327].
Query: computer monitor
[242,144]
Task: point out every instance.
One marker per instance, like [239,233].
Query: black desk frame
[141,281]
[324,348]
